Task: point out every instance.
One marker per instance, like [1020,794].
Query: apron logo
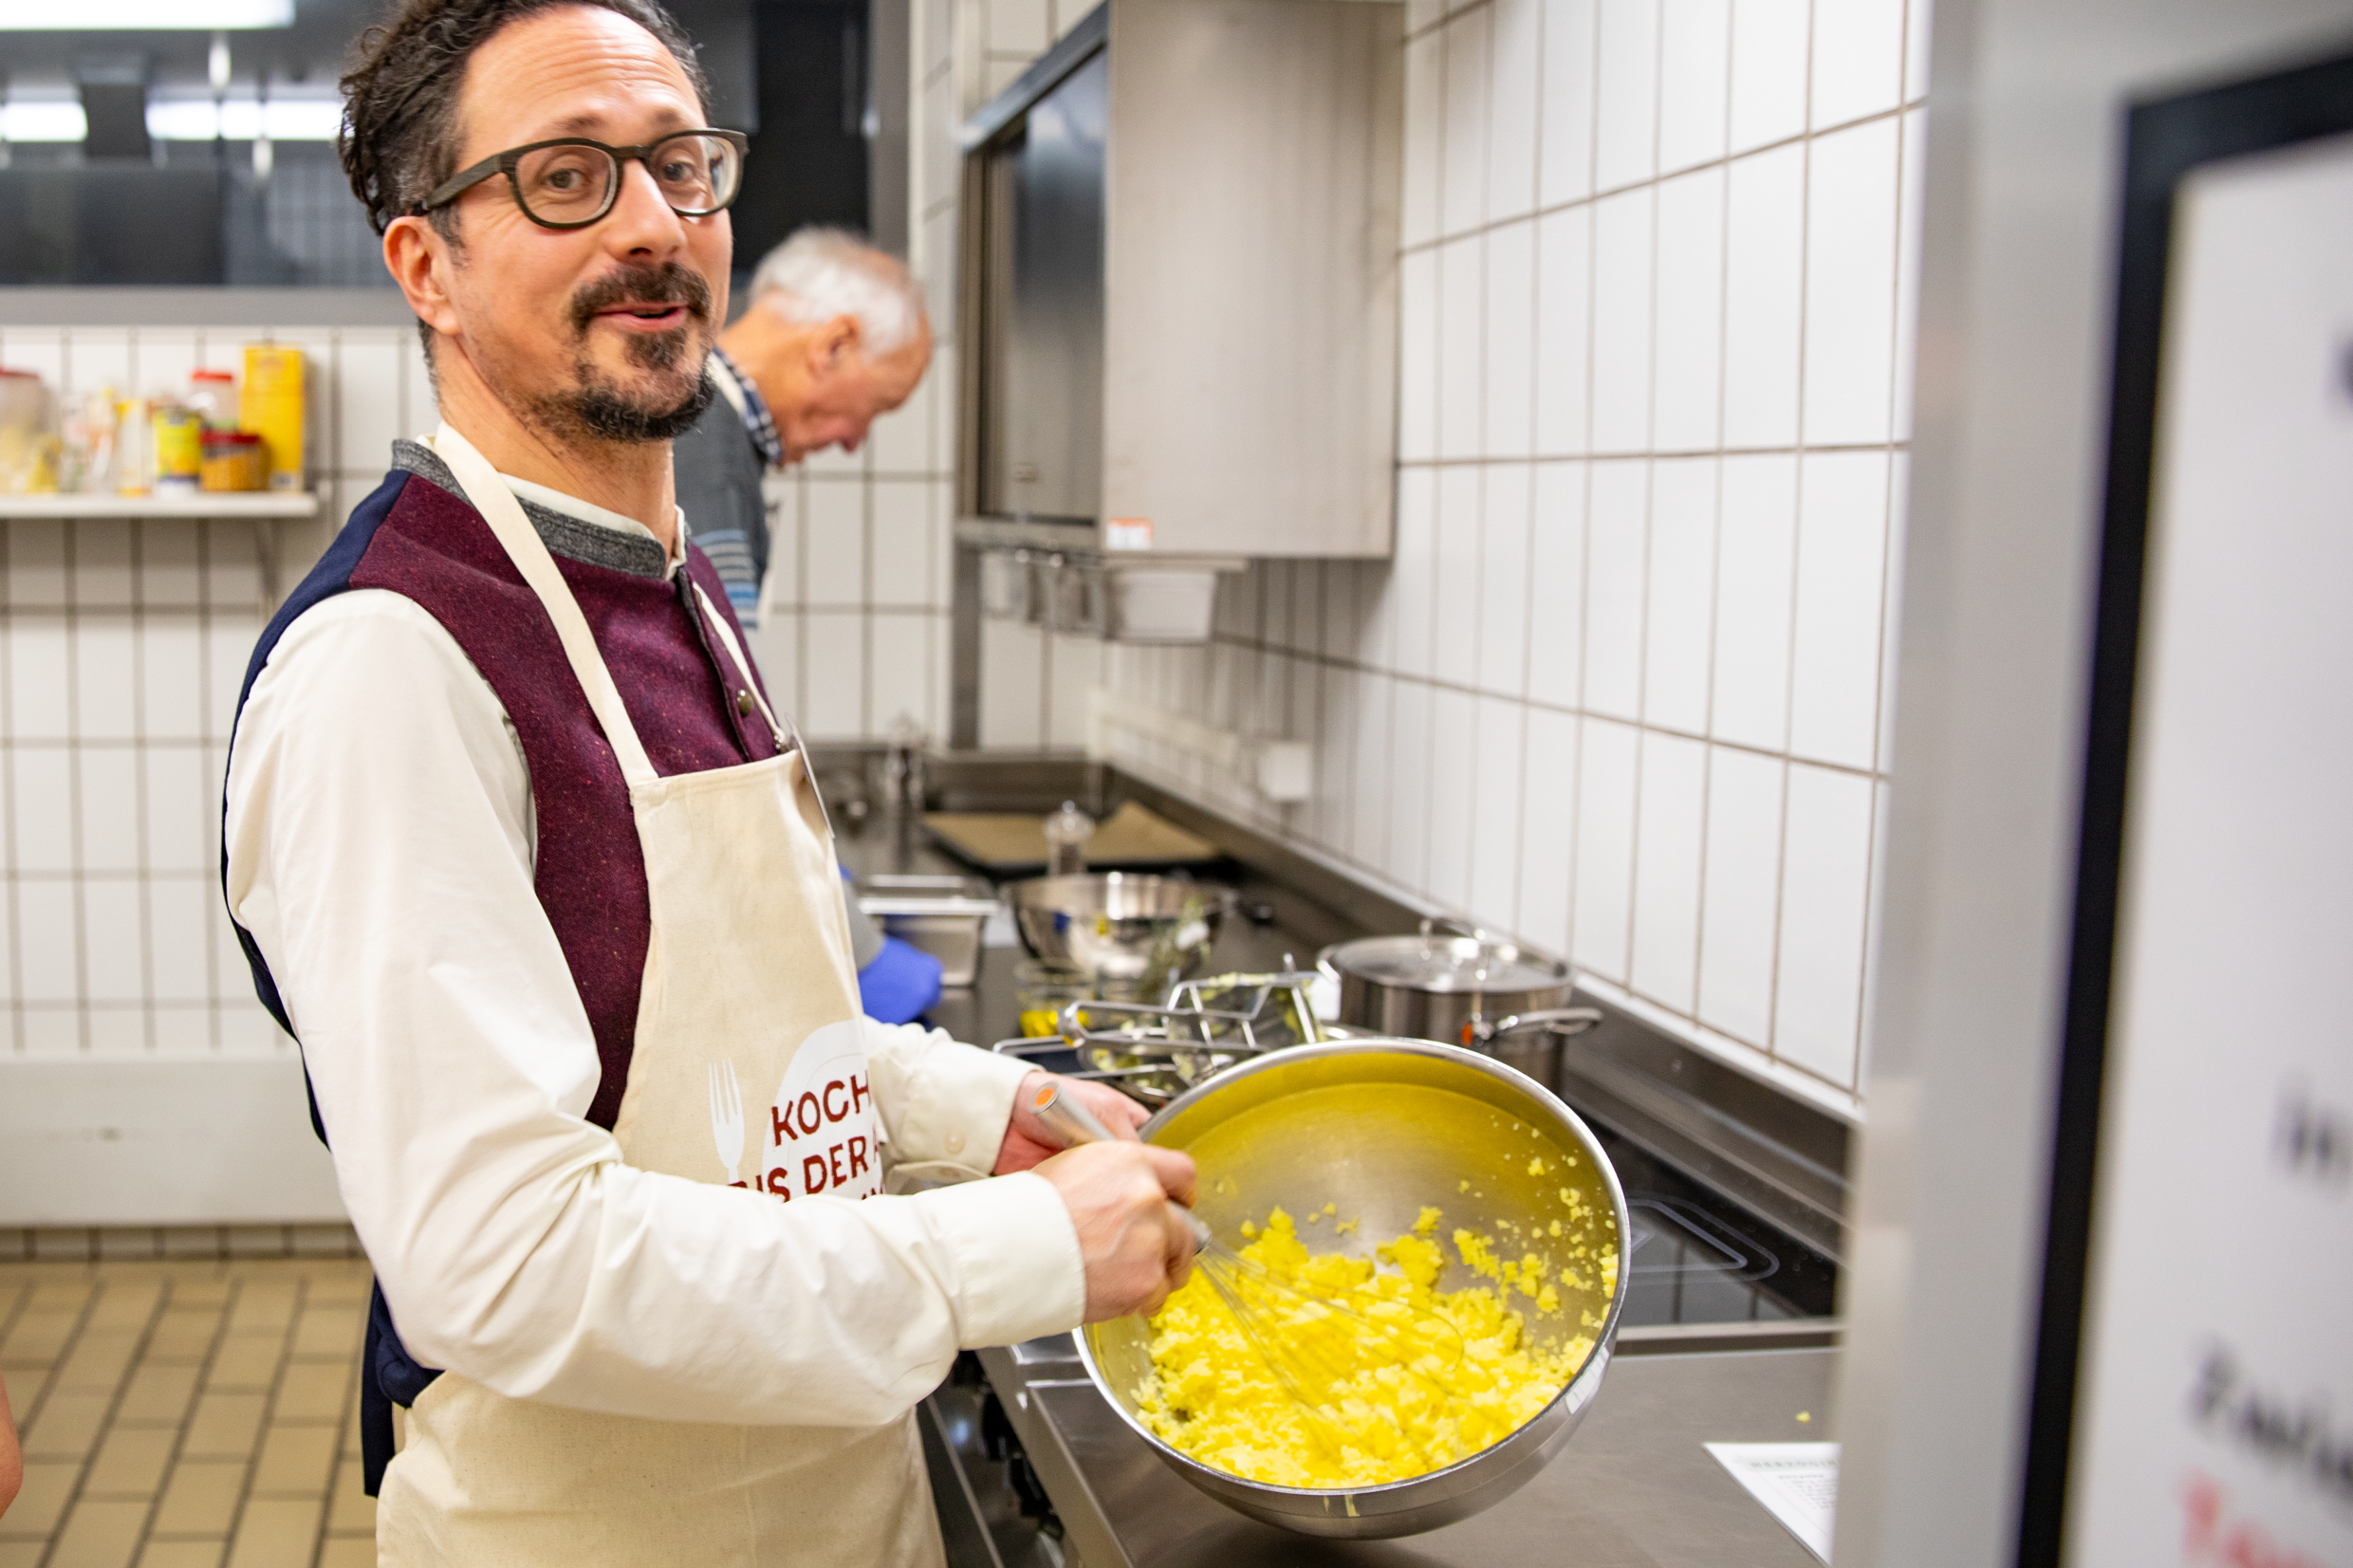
[822,1136]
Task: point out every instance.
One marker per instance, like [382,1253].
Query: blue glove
[900,985]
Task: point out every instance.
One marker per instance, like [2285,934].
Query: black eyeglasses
[572,183]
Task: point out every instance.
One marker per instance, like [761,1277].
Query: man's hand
[1137,1247]
[1027,1141]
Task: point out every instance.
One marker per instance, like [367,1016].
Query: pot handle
[1432,924]
[1560,1021]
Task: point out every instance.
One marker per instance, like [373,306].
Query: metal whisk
[1236,1280]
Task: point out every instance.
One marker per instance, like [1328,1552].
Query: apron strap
[504,513]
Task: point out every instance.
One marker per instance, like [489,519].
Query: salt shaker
[1066,832]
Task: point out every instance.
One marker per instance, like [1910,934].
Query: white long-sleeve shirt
[380,840]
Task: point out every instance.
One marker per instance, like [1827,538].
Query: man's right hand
[1135,1249]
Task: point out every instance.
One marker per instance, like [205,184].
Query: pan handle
[1560,1021]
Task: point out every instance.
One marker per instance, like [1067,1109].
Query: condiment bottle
[135,448]
[271,407]
[180,448]
[1067,833]
[213,393]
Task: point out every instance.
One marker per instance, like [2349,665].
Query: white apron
[749,1068]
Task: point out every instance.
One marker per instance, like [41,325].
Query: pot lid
[1446,964]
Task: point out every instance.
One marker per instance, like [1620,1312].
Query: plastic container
[178,447]
[235,460]
[213,396]
[28,435]
[87,464]
[135,448]
[271,408]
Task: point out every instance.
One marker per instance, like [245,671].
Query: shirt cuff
[1017,1259]
[962,1105]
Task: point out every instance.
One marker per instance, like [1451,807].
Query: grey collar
[640,555]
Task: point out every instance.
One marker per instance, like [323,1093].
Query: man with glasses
[525,860]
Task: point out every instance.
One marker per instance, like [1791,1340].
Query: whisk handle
[1075,1124]
[1067,1118]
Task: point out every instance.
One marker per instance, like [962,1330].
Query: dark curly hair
[400,86]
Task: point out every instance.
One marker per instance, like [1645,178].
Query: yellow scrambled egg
[1404,1380]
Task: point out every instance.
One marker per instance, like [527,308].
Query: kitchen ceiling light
[242,119]
[144,15]
[43,120]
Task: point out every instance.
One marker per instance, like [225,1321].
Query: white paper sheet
[1796,1481]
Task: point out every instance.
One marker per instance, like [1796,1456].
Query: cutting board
[1134,837]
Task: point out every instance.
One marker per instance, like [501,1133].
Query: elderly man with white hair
[835,337]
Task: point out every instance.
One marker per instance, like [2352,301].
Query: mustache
[668,284]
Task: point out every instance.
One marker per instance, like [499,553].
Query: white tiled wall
[124,644]
[1624,689]
[854,619]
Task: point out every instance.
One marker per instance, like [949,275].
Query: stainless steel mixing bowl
[1117,926]
[1383,1127]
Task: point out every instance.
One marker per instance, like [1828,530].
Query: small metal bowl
[1144,931]
[1270,1132]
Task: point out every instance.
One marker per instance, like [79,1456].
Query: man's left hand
[1027,1141]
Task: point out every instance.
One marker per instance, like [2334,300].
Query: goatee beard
[593,406]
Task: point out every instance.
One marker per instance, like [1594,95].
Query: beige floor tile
[314,1391]
[39,1338]
[27,1386]
[131,1462]
[127,1302]
[276,1534]
[201,1499]
[201,1285]
[99,1359]
[184,1333]
[67,1425]
[352,1511]
[63,1287]
[295,1462]
[329,1330]
[348,1552]
[22,1553]
[225,1426]
[245,1361]
[183,1554]
[264,1303]
[159,1393]
[345,1283]
[35,1512]
[100,1534]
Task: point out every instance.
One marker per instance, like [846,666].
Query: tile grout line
[1599,195]
[107,1424]
[195,1398]
[1797,548]
[29,1419]
[269,1405]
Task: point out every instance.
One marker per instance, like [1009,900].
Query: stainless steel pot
[1459,1133]
[1456,985]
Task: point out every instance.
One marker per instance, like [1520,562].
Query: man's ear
[834,347]
[421,259]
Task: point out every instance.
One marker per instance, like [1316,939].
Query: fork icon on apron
[727,1119]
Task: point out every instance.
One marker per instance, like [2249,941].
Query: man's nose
[641,222]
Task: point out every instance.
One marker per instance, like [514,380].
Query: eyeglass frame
[504,163]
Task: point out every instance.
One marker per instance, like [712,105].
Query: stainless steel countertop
[1633,1488]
